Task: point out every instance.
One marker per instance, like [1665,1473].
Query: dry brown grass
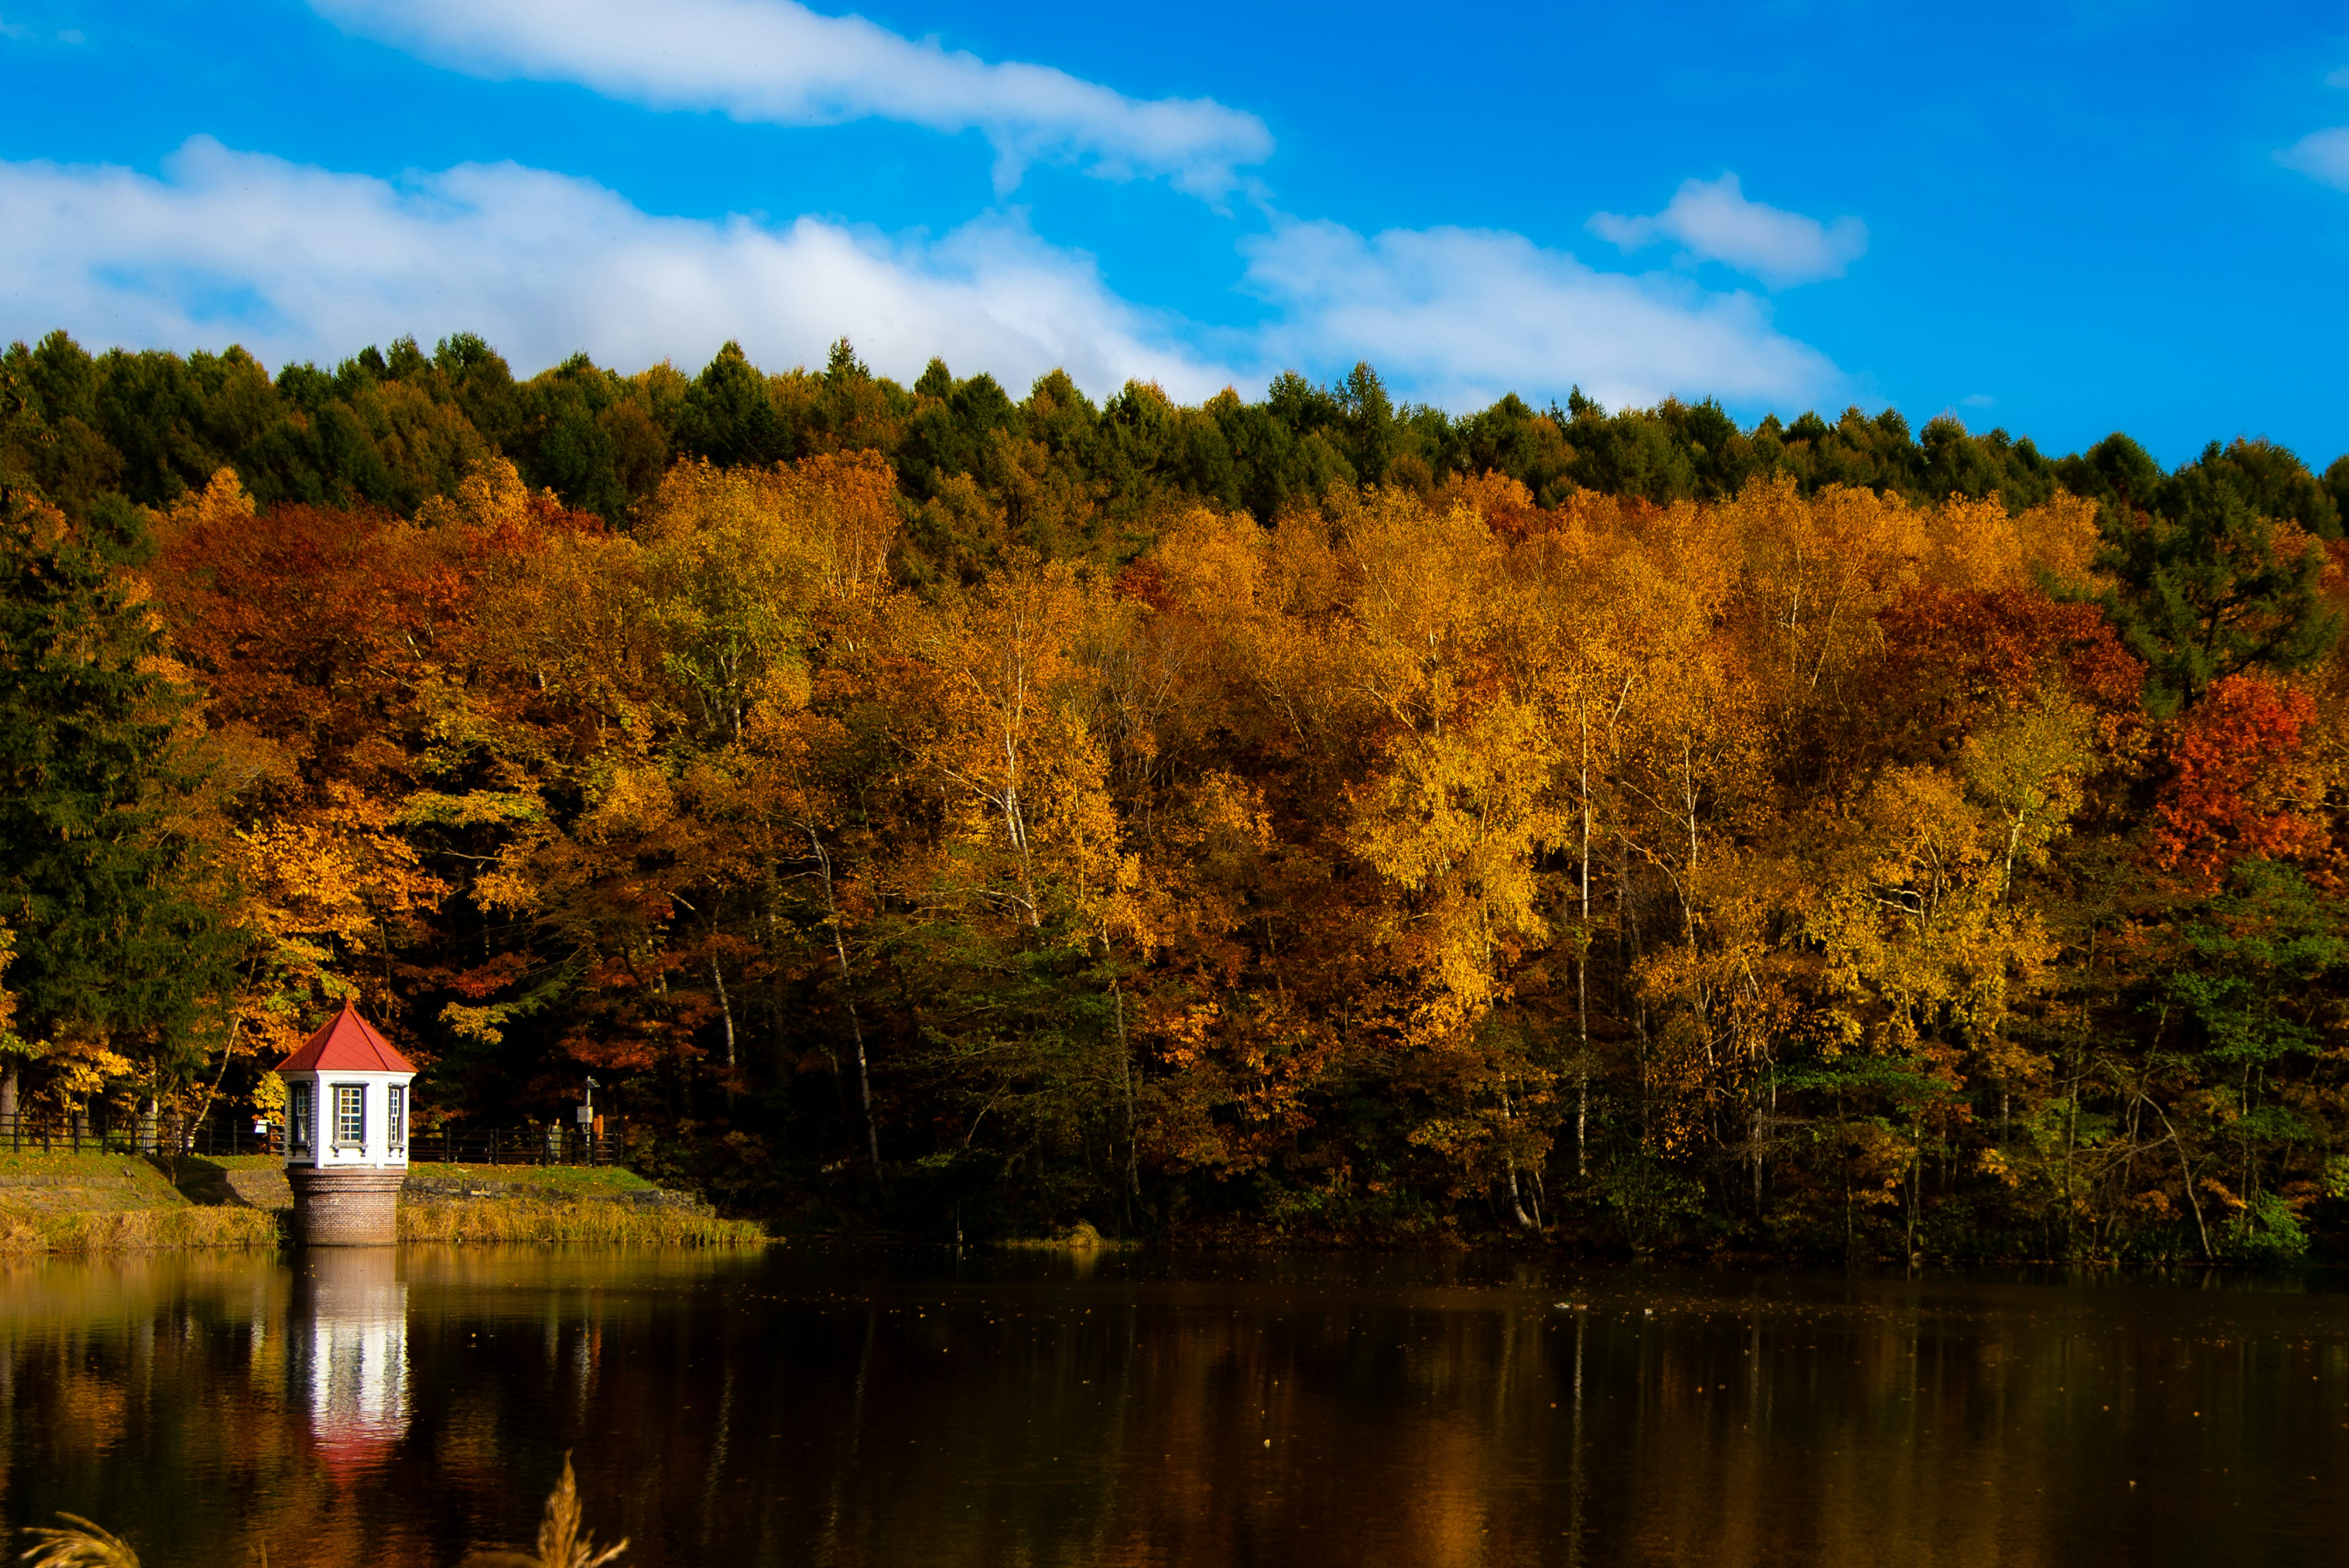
[563,1538]
[135,1229]
[80,1545]
[596,1222]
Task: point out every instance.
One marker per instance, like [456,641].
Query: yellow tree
[1029,827]
[678,664]
[1235,732]
[1812,574]
[1587,621]
[1462,799]
[1689,765]
[1926,956]
[819,533]
[12,1048]
[1021,888]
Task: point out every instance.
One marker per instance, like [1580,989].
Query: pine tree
[2206,590]
[98,880]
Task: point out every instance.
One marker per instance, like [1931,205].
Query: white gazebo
[347,1121]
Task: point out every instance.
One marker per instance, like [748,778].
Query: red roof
[346,1045]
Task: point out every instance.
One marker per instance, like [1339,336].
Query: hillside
[921,811]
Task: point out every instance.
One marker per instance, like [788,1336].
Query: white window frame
[301,1117]
[359,1091]
[395,1117]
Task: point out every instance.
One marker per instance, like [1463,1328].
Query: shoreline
[66,1204]
[72,1204]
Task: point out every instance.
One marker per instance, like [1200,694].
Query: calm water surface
[797,1408]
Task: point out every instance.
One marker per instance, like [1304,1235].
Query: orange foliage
[2004,642]
[2238,782]
[1502,818]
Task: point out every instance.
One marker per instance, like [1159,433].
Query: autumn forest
[923,810]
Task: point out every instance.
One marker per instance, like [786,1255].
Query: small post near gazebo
[346,1119]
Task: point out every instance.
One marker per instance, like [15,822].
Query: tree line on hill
[1310,817]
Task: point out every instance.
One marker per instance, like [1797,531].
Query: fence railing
[550,1145]
[99,1130]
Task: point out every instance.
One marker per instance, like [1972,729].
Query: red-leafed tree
[2239,783]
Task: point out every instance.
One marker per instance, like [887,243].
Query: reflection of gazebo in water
[350,1343]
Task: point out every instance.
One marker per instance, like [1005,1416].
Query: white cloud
[1712,221]
[2320,155]
[301,262]
[1458,316]
[776,61]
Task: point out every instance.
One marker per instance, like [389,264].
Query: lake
[893,1409]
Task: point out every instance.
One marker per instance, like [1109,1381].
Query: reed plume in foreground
[84,1545]
[563,1540]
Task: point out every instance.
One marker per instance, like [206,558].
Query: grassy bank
[559,1204]
[114,1202]
[98,1202]
[553,1222]
[575,1181]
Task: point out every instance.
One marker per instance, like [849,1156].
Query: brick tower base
[345,1208]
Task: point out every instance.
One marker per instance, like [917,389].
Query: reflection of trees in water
[1052,1423]
[749,1411]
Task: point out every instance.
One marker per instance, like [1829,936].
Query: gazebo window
[395,1118]
[350,1116]
[297,1118]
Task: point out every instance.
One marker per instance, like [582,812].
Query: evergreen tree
[2205,593]
[98,879]
[2272,483]
[728,416]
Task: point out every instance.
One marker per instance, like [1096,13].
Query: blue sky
[2060,219]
